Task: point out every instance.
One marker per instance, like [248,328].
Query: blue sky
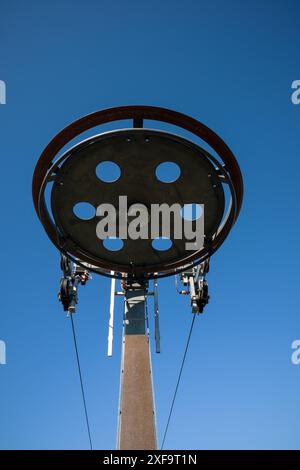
[230,65]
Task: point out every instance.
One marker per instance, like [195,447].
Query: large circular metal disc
[137,152]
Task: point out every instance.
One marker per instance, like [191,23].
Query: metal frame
[228,169]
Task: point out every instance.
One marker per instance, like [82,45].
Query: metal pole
[111,317]
[137,428]
[156,316]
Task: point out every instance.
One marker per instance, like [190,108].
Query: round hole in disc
[108,171]
[113,243]
[191,211]
[167,172]
[161,243]
[84,210]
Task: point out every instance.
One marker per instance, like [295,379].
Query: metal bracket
[196,286]
[73,276]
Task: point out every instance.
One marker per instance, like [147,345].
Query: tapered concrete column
[137,411]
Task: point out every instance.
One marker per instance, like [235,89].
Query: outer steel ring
[138,113]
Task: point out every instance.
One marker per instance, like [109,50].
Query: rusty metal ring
[138,114]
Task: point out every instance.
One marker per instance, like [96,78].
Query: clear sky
[230,65]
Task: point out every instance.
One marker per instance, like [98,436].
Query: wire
[178,381]
[81,382]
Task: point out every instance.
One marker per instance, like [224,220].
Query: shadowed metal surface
[138,152]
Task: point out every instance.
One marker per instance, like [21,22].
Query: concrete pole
[137,428]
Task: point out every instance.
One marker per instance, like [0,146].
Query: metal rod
[111,317]
[156,316]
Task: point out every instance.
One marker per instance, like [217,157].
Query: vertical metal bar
[138,122]
[156,316]
[111,317]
